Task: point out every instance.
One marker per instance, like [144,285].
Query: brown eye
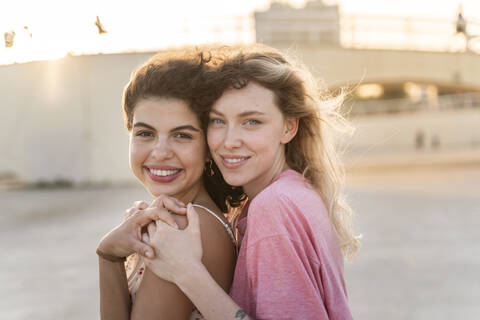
[181,135]
[144,134]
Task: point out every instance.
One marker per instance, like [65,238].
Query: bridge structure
[343,49]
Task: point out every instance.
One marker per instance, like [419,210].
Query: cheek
[267,142]
[194,156]
[213,139]
[137,154]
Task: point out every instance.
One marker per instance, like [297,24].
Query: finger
[193,220]
[180,203]
[173,205]
[145,238]
[143,249]
[144,218]
[159,224]
[141,204]
[151,229]
[158,202]
[173,202]
[129,212]
[152,214]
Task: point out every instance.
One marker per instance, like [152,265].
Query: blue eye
[252,122]
[216,121]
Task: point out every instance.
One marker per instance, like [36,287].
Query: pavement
[420,251]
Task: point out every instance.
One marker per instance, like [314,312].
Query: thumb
[193,221]
[143,249]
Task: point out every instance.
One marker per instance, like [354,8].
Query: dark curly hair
[180,74]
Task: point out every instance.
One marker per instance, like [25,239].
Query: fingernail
[149,254]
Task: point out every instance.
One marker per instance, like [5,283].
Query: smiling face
[247,134]
[167,148]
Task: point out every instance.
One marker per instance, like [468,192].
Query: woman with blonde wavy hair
[270,132]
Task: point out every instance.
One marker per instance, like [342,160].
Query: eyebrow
[243,114]
[143,124]
[179,128]
[185,127]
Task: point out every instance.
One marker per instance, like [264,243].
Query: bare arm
[120,242]
[200,287]
[114,295]
[160,299]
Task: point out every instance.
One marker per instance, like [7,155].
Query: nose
[232,138]
[162,150]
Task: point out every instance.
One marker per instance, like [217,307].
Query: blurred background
[413,163]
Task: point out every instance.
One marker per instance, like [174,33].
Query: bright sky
[61,26]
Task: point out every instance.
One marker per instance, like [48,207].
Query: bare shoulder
[218,249]
[213,230]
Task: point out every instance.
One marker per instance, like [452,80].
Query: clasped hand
[126,238]
[176,251]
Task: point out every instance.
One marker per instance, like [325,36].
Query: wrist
[110,257]
[109,249]
[188,279]
[104,247]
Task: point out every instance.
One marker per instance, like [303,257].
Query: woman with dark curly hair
[169,156]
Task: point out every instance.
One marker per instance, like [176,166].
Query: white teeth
[163,173]
[235,160]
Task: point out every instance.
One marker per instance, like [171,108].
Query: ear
[290,130]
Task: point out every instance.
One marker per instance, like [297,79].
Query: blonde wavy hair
[313,151]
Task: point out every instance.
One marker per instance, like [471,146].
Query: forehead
[164,112]
[252,97]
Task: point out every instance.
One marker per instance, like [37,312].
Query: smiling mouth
[235,160]
[163,173]
[232,162]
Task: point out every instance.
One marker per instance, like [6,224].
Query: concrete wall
[340,66]
[453,129]
[62,119]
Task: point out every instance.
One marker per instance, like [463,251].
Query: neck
[256,186]
[190,195]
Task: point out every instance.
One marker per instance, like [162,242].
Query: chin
[156,192]
[235,181]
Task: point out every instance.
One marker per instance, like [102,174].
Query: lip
[165,179]
[234,165]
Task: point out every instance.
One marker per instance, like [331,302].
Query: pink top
[290,265]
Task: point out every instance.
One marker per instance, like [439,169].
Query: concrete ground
[421,246]
[420,256]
